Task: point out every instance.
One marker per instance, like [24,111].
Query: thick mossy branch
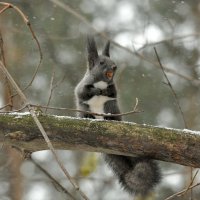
[171,145]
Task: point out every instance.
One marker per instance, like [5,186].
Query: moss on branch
[171,145]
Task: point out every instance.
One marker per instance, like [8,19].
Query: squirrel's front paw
[104,92]
[98,91]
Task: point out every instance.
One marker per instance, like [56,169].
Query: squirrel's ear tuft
[91,51]
[106,49]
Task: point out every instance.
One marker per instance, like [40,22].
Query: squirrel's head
[101,66]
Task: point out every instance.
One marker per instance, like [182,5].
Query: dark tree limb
[171,145]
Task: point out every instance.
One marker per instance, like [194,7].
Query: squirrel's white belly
[96,103]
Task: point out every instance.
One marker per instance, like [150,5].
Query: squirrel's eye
[102,62]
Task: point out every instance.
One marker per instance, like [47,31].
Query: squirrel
[97,93]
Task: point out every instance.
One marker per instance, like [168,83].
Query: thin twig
[191,183]
[81,18]
[39,125]
[179,107]
[7,105]
[175,37]
[2,49]
[181,192]
[59,82]
[134,111]
[8,93]
[52,37]
[171,88]
[4,8]
[11,111]
[27,22]
[51,88]
[136,104]
[55,182]
[92,113]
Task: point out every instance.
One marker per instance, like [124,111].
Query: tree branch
[83,19]
[41,129]
[171,145]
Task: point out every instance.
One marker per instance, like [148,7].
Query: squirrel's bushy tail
[137,175]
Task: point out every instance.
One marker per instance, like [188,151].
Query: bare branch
[134,111]
[125,138]
[171,88]
[27,22]
[7,105]
[55,182]
[8,92]
[51,88]
[191,183]
[80,17]
[178,105]
[2,50]
[175,37]
[182,192]
[39,125]
[4,8]
[11,111]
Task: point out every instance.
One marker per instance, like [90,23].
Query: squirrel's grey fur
[97,93]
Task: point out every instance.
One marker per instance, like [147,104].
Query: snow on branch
[166,144]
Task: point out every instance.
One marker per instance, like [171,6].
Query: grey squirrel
[97,93]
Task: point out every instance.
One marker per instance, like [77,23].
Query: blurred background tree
[171,26]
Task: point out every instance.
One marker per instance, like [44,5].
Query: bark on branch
[171,145]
